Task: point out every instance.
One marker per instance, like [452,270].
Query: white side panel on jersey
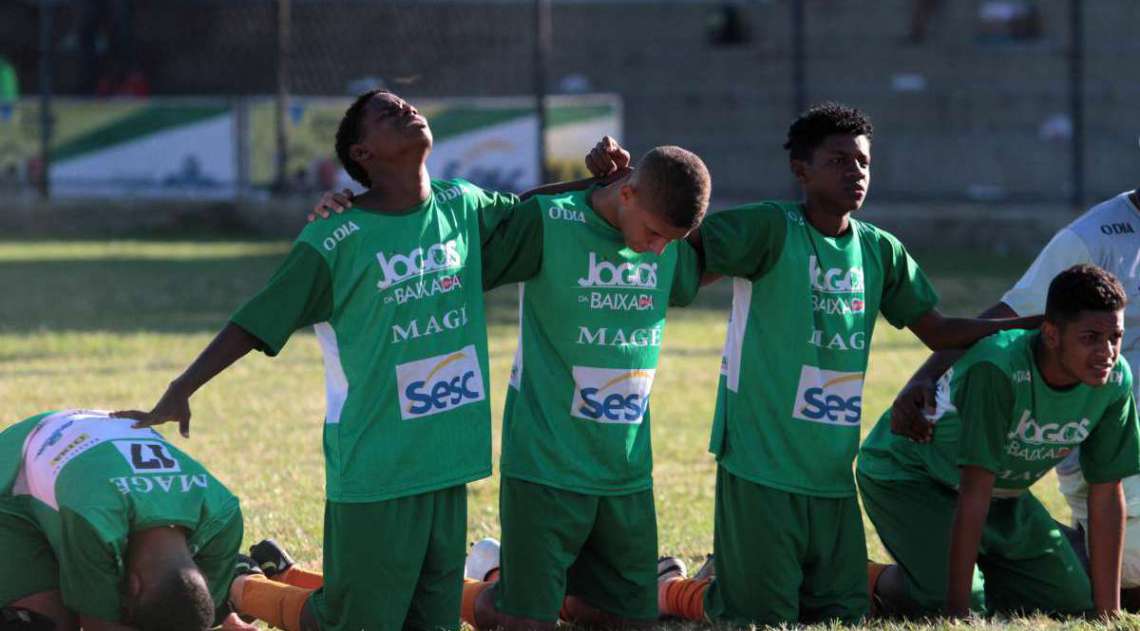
[737,326]
[517,367]
[63,436]
[336,383]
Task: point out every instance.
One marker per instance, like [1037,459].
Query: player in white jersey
[1107,235]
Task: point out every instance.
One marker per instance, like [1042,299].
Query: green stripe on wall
[145,122]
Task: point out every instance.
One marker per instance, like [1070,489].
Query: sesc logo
[605,274]
[835,280]
[829,396]
[609,395]
[439,384]
[401,267]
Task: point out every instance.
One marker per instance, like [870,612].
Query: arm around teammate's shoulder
[745,241]
[939,332]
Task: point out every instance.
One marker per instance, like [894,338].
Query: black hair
[678,183]
[179,601]
[823,120]
[348,134]
[1083,288]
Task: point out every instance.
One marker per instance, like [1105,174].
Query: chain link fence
[980,100]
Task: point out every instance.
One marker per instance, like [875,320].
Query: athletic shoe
[245,565]
[707,569]
[669,568]
[270,557]
[482,560]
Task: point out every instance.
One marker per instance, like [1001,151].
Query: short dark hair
[1083,288]
[678,183]
[820,121]
[179,601]
[348,134]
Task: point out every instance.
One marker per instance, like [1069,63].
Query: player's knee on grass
[487,616]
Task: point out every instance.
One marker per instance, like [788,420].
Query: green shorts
[1024,563]
[600,548]
[28,563]
[395,564]
[785,558]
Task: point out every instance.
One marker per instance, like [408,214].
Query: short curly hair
[1083,288]
[820,121]
[348,134]
[179,601]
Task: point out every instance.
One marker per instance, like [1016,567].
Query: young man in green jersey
[809,282]
[1006,413]
[108,527]
[394,289]
[599,269]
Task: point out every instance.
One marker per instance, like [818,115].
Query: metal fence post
[1076,99]
[283,32]
[542,45]
[46,75]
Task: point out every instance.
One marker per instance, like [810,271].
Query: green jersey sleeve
[90,569]
[490,203]
[299,294]
[907,293]
[984,399]
[745,241]
[1111,451]
[686,275]
[512,243]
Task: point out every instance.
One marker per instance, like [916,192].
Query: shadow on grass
[128,294]
[189,295]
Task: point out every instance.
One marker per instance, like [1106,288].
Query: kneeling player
[109,527]
[1013,407]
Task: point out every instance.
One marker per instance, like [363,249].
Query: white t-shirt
[1108,235]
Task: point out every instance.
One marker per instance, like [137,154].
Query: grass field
[108,325]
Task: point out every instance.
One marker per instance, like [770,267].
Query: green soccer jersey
[592,317]
[804,305]
[94,480]
[397,304]
[996,412]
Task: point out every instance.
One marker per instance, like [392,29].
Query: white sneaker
[482,560]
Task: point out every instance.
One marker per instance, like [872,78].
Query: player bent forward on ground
[111,528]
[1008,411]
[809,282]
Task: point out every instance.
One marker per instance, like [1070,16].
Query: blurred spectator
[9,85]
[921,12]
[107,43]
[1008,20]
[727,26]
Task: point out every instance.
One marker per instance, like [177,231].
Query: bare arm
[974,491]
[939,332]
[917,395]
[229,345]
[1106,542]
